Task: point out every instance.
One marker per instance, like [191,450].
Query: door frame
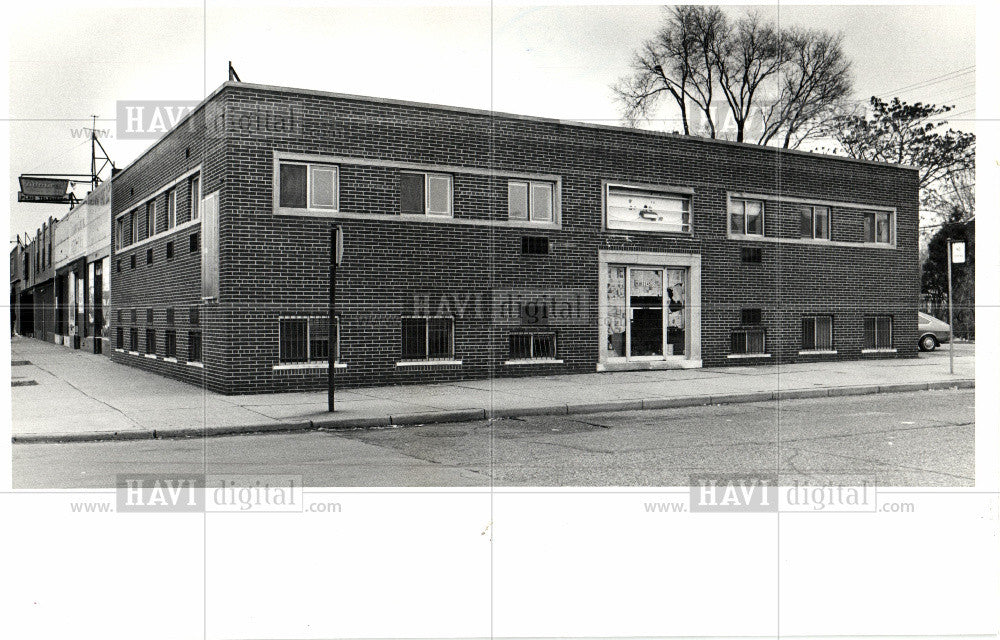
[641,259]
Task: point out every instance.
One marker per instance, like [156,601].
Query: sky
[67,62]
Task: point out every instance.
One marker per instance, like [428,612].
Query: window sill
[119,350]
[158,235]
[308,365]
[195,364]
[743,356]
[818,352]
[429,363]
[878,351]
[133,353]
[419,217]
[530,361]
[151,356]
[170,359]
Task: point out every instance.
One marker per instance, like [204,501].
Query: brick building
[479,244]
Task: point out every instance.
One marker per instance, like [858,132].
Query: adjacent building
[480,244]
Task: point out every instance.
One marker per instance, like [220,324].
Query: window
[170,316]
[119,232]
[194,316]
[135,227]
[134,316]
[878,332]
[530,201]
[151,341]
[747,342]
[120,337]
[534,245]
[306,339]
[170,250]
[428,339]
[194,346]
[647,210]
[170,343]
[119,267]
[817,333]
[878,227]
[171,208]
[746,217]
[132,260]
[194,196]
[133,339]
[149,316]
[532,346]
[815,223]
[149,256]
[308,186]
[425,194]
[193,244]
[151,217]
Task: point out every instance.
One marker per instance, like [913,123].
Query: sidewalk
[64,395]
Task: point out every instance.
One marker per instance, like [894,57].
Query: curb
[471,415]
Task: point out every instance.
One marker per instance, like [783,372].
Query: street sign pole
[951,319]
[331,355]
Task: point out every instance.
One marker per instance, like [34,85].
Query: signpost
[336,255]
[956,255]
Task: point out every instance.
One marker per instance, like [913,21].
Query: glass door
[646,313]
[645,301]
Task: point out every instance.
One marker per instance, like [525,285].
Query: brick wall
[276,265]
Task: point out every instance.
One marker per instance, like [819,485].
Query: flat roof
[570,123]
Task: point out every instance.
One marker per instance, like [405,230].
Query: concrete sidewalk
[63,395]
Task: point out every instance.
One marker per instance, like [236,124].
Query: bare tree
[792,80]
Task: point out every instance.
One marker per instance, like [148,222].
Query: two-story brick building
[481,244]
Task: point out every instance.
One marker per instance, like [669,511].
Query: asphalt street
[924,438]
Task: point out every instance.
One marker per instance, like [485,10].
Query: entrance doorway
[647,315]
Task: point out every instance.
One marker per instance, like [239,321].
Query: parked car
[933,332]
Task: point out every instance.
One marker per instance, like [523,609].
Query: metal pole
[331,356]
[951,320]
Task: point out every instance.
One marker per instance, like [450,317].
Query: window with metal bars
[133,339]
[428,338]
[170,343]
[878,332]
[194,346]
[747,341]
[151,341]
[304,339]
[817,333]
[532,346]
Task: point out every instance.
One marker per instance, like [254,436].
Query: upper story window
[194,196]
[815,223]
[134,218]
[878,227]
[303,185]
[171,208]
[425,193]
[746,217]
[119,232]
[530,201]
[151,218]
[647,210]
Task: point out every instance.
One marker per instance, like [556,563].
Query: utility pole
[336,255]
[956,254]
[93,155]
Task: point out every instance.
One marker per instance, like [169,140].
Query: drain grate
[22,383]
[19,363]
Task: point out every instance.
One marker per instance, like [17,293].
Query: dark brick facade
[275,263]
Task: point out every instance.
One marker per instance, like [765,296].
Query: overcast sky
[66,63]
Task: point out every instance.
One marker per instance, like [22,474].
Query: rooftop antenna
[233,76]
[95,144]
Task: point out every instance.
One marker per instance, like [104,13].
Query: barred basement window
[878,332]
[170,250]
[193,243]
[149,256]
[306,339]
[133,339]
[428,338]
[150,340]
[532,346]
[119,265]
[747,341]
[120,337]
[817,333]
[133,261]
[194,346]
[170,343]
